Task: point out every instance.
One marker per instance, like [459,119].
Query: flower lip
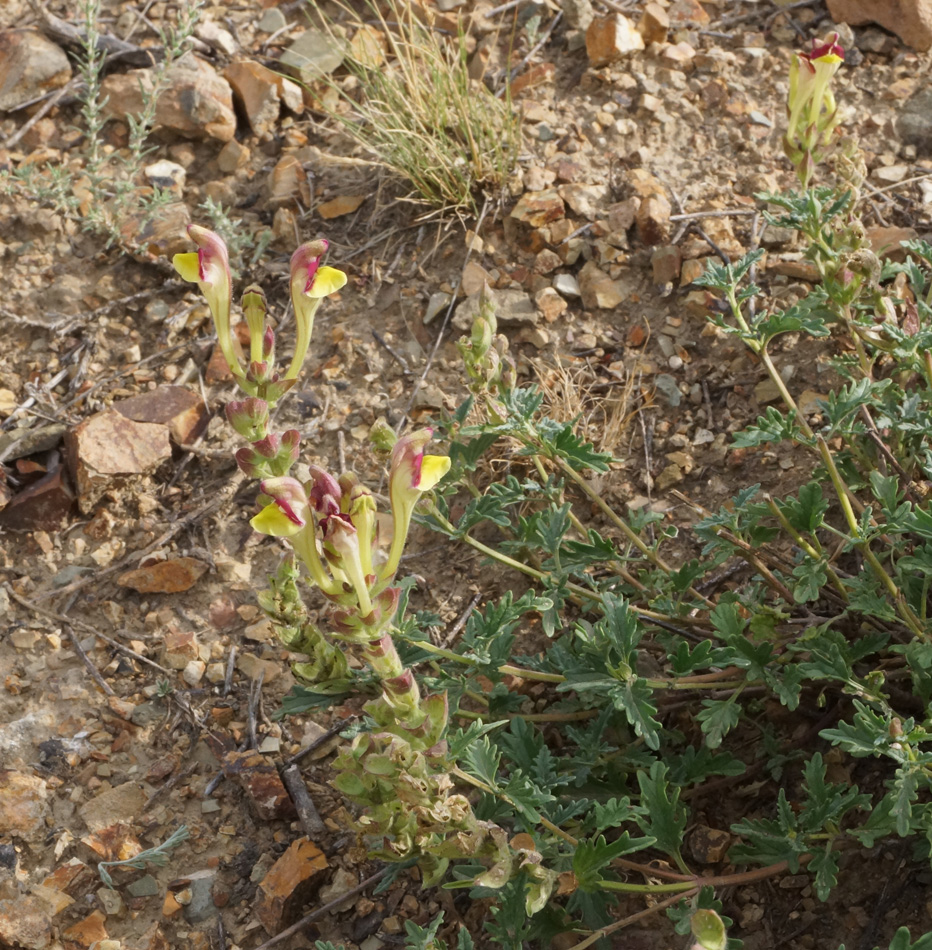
[828,51]
[210,247]
[309,256]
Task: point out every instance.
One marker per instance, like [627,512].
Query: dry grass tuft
[414,107]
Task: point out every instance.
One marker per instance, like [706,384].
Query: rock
[709,845]
[197,103]
[145,886]
[665,263]
[691,12]
[610,37]
[179,647]
[30,66]
[272,21]
[87,932]
[25,923]
[287,886]
[23,805]
[550,304]
[513,308]
[341,883]
[886,242]
[474,278]
[45,505]
[670,476]
[166,176]
[586,200]
[679,54]
[598,290]
[288,184]
[182,410]
[120,804]
[233,155]
[889,174]
[107,445]
[539,208]
[914,122]
[337,207]
[654,24]
[259,779]
[910,20]
[193,672]
[577,13]
[437,303]
[255,88]
[170,576]
[691,270]
[20,442]
[164,235]
[653,219]
[312,55]
[201,907]
[547,261]
[567,285]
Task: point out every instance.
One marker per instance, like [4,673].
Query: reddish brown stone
[653,219]
[256,89]
[610,37]
[688,11]
[288,184]
[179,647]
[259,778]
[665,263]
[654,24]
[108,444]
[87,932]
[45,505]
[910,20]
[290,882]
[182,410]
[539,208]
[69,877]
[164,577]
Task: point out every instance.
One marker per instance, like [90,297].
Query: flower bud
[249,417]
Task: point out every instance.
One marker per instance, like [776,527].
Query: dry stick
[888,455]
[308,814]
[47,106]
[334,730]
[254,695]
[85,659]
[65,619]
[228,677]
[398,358]
[326,908]
[538,45]
[454,631]
[631,919]
[695,215]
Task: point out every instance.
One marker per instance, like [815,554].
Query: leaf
[718,717]
[593,855]
[634,697]
[481,761]
[577,452]
[824,865]
[805,512]
[905,791]
[661,814]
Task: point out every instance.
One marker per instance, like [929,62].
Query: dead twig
[334,730]
[308,815]
[324,909]
[86,660]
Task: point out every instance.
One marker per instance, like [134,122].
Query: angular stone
[550,304]
[474,278]
[678,55]
[30,66]
[622,214]
[170,576]
[312,55]
[653,219]
[182,410]
[25,923]
[547,261]
[578,13]
[567,285]
[164,235]
[23,806]
[586,200]
[538,208]
[256,90]
[197,103]
[608,38]
[44,505]
[263,786]
[513,308]
[665,263]
[287,886]
[166,176]
[910,20]
[179,647]
[288,184]
[87,932]
[145,886]
[232,156]
[654,24]
[108,444]
[690,12]
[914,122]
[598,290]
[887,242]
[709,845]
[337,207]
[120,804]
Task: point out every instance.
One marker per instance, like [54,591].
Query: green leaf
[902,940]
[661,814]
[718,717]
[634,697]
[481,761]
[905,791]
[424,938]
[709,930]
[824,865]
[805,512]
[593,855]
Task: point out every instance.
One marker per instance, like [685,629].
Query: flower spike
[310,283]
[209,268]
